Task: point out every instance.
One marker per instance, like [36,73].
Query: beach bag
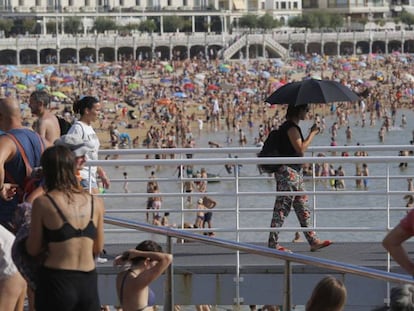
[270,149]
[64,125]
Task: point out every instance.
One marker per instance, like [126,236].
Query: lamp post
[57,32]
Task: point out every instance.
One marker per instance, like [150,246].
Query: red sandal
[283,249]
[320,244]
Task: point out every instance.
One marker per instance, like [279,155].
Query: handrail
[386,189]
[258,250]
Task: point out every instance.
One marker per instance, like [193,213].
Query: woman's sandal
[320,244]
[283,249]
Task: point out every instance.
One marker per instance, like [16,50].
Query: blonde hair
[328,295]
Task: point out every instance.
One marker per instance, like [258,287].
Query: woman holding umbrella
[289,177]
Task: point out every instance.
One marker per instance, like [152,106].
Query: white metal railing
[348,215]
[254,249]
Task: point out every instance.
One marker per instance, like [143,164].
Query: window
[87,2]
[21,2]
[283,5]
[121,2]
[38,3]
[276,5]
[138,2]
[295,5]
[169,2]
[185,2]
[310,4]
[338,3]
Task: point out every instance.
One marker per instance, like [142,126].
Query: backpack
[270,149]
[64,125]
[33,177]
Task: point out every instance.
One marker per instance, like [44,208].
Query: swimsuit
[67,231]
[151,294]
[77,289]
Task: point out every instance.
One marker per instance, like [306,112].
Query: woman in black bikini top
[145,264]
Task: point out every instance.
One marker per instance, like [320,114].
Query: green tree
[173,23]
[73,25]
[29,25]
[103,24]
[336,20]
[407,18]
[128,28]
[147,25]
[267,22]
[51,26]
[6,25]
[248,21]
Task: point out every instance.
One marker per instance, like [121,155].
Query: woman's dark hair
[293,111]
[86,102]
[146,246]
[59,169]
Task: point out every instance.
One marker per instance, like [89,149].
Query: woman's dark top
[67,231]
[286,148]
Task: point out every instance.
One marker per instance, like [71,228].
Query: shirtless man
[47,125]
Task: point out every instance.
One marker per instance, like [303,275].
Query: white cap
[75,144]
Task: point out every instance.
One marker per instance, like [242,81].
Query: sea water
[364,136]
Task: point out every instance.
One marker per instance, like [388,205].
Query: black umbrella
[312,91]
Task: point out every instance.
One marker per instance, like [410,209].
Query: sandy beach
[183,98]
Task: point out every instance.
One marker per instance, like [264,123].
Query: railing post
[287,295]
[236,188]
[169,278]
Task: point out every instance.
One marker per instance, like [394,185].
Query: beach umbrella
[65,89]
[200,76]
[212,87]
[409,77]
[186,80]
[138,92]
[312,91]
[223,68]
[189,86]
[227,86]
[180,95]
[168,68]
[40,86]
[7,85]
[55,79]
[265,74]
[165,80]
[164,101]
[59,95]
[68,79]
[278,63]
[133,86]
[97,74]
[21,87]
[248,91]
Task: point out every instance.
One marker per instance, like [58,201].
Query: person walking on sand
[289,177]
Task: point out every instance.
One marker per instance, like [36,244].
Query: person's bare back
[47,124]
[48,127]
